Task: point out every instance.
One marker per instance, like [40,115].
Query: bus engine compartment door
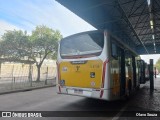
[84,73]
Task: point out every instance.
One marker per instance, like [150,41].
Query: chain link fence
[23,76]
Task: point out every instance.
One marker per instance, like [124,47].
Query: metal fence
[21,76]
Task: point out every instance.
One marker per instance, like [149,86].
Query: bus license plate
[78,91]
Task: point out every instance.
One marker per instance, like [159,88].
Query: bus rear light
[59,89]
[58,71]
[58,75]
[103,74]
[103,77]
[101,93]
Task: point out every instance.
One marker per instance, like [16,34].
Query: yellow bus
[96,64]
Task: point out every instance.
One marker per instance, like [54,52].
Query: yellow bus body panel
[79,75]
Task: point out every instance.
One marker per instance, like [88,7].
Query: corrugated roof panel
[126,17]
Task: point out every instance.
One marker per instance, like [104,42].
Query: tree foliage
[17,46]
[44,43]
[157,65]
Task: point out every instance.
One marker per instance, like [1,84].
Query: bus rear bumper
[86,92]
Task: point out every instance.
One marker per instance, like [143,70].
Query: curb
[28,89]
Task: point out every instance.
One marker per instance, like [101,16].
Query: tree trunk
[38,73]
[39,67]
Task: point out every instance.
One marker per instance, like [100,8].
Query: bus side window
[114,51]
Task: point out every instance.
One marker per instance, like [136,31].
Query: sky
[27,14]
[147,58]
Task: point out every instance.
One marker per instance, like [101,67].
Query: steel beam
[139,17]
[129,23]
[137,8]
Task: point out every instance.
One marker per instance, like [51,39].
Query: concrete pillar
[155,72]
[151,75]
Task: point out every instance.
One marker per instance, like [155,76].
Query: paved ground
[47,100]
[145,100]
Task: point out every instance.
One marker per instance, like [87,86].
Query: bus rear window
[82,45]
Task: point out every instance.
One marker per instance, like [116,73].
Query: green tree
[1,53]
[157,65]
[15,45]
[44,43]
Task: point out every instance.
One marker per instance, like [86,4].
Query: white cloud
[29,14]
[71,22]
[6,26]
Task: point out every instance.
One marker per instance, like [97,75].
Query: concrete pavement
[145,100]
[47,100]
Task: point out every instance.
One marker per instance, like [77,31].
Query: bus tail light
[103,77]
[104,71]
[58,71]
[58,75]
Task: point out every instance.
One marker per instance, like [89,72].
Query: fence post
[30,74]
[12,77]
[151,75]
[0,69]
[46,76]
[12,72]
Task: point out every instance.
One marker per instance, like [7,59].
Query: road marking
[116,117]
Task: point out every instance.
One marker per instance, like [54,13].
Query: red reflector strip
[101,93]
[59,89]
[58,70]
[103,77]
[104,71]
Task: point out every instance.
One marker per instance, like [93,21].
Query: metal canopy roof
[136,22]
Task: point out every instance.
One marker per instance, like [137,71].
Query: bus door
[122,73]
